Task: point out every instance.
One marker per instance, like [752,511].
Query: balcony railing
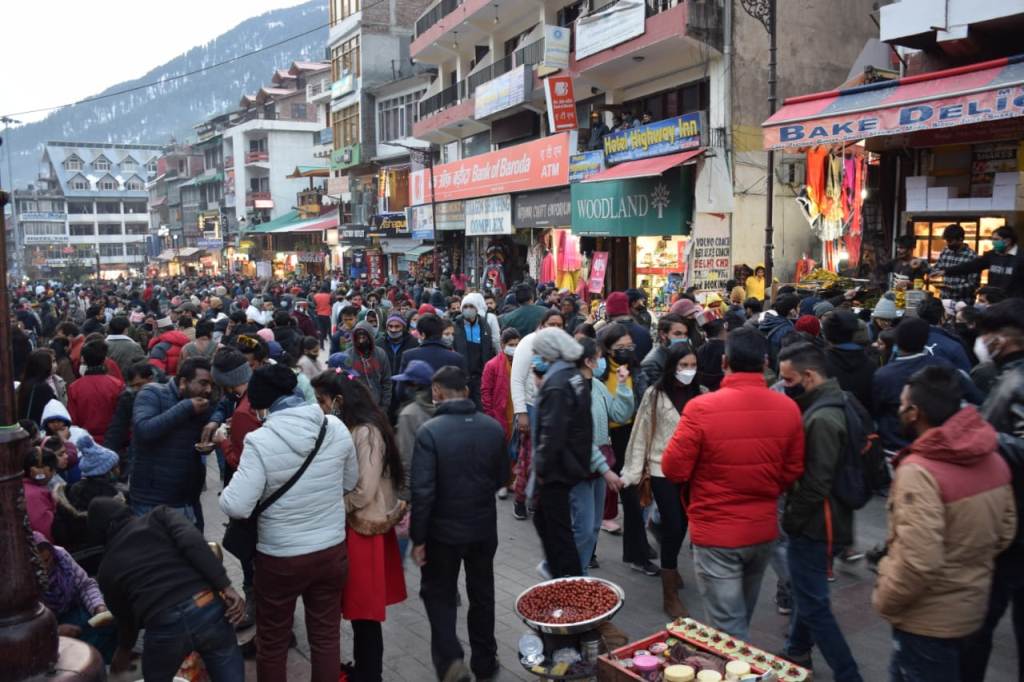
[528,55]
[435,14]
[252,197]
[256,157]
[229,162]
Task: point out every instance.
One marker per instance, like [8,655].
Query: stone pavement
[407,631]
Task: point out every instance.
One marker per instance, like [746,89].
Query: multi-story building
[695,67]
[91,207]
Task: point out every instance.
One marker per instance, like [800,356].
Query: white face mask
[981,350]
[685,376]
[510,350]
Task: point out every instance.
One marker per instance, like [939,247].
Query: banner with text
[489,216]
[669,136]
[598,268]
[710,254]
[561,103]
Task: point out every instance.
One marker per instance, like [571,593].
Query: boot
[678,578]
[671,604]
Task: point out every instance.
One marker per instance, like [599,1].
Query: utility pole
[425,157]
[765,11]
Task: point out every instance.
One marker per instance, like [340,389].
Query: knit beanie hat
[823,308]
[809,324]
[885,309]
[266,334]
[397,318]
[231,368]
[553,344]
[427,309]
[94,459]
[268,383]
[617,304]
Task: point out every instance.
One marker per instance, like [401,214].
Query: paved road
[407,633]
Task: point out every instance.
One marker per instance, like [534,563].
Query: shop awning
[320,224]
[930,101]
[292,222]
[416,252]
[157,203]
[310,172]
[644,167]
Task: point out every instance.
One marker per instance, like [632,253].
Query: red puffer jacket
[164,351]
[739,448]
[495,391]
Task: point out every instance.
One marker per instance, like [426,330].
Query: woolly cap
[268,383]
[617,304]
[885,309]
[553,344]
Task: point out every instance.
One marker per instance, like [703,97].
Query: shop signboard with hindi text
[543,209]
[710,254]
[561,103]
[636,207]
[669,136]
[622,21]
[489,216]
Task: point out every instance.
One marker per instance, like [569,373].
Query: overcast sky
[59,51]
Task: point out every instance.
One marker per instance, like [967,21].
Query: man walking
[459,463]
[815,520]
[743,426]
[951,512]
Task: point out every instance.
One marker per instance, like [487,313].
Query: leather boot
[671,604]
[678,578]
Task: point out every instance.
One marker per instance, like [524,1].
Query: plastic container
[736,671]
[709,676]
[679,673]
[647,667]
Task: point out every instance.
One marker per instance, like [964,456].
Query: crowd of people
[357,428]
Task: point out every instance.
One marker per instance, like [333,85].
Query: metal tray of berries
[561,618]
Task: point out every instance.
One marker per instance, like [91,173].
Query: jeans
[439,590]
[1007,589]
[812,622]
[587,501]
[917,658]
[729,579]
[780,564]
[141,509]
[174,633]
[553,521]
[318,578]
[668,497]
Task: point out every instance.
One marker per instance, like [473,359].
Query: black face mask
[795,391]
[622,356]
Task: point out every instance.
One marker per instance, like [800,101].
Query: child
[98,467]
[40,468]
[56,423]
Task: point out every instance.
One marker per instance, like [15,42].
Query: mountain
[156,113]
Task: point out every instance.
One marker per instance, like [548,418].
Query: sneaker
[611,527]
[593,563]
[542,570]
[519,511]
[850,555]
[502,493]
[783,600]
[647,568]
[457,672]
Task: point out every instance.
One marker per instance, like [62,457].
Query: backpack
[863,469]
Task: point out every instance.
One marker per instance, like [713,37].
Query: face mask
[412,325]
[685,376]
[795,391]
[981,350]
[469,314]
[540,366]
[602,367]
[40,477]
[622,356]
[448,341]
[510,350]
[679,339]
[394,335]
[999,246]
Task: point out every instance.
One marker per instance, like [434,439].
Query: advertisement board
[585,164]
[556,47]
[598,268]
[632,208]
[421,221]
[507,90]
[609,27]
[543,209]
[489,216]
[668,136]
[710,255]
[561,103]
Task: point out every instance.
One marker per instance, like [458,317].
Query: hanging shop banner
[421,222]
[450,216]
[556,47]
[711,254]
[507,90]
[489,216]
[539,164]
[543,209]
[655,139]
[561,103]
[632,208]
[622,21]
[375,265]
[585,164]
[390,225]
[598,268]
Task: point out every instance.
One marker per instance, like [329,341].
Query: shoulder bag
[241,535]
[644,490]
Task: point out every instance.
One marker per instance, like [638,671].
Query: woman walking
[656,421]
[375,579]
[39,385]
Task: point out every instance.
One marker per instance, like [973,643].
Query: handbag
[644,487]
[241,535]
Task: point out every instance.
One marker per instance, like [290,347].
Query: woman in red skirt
[372,509]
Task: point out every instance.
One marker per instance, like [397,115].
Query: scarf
[680,395]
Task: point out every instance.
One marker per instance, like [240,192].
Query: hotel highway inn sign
[649,206]
[669,136]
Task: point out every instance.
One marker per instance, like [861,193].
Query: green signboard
[346,157]
[654,206]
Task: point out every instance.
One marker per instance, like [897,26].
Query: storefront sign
[346,157]
[343,86]
[421,222]
[309,257]
[543,209]
[556,47]
[655,139]
[711,254]
[661,256]
[45,238]
[561,103]
[42,215]
[390,225]
[539,164]
[489,216]
[622,21]
[632,208]
[375,265]
[585,164]
[210,243]
[450,216]
[507,90]
[354,235]
[598,268]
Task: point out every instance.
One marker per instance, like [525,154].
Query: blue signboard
[585,164]
[655,139]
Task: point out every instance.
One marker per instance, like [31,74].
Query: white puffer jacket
[311,516]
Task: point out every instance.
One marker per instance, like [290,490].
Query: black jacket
[854,370]
[565,429]
[459,462]
[485,351]
[435,354]
[1005,271]
[395,355]
[152,562]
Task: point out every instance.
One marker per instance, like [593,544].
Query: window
[79,183]
[85,250]
[82,229]
[212,158]
[136,228]
[108,229]
[107,184]
[128,164]
[135,248]
[135,207]
[101,163]
[26,206]
[134,184]
[49,229]
[259,184]
[151,166]
[340,9]
[54,205]
[259,145]
[346,126]
[73,163]
[80,207]
[396,116]
[112,250]
[299,110]
[345,57]
[108,207]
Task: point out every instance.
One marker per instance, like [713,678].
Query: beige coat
[372,507]
[642,445]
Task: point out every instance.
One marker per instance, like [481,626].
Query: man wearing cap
[415,381]
[394,342]
[165,347]
[638,307]
[617,309]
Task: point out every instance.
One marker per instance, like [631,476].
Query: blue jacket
[775,327]
[165,428]
[887,386]
[942,344]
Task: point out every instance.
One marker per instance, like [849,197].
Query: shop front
[552,253]
[949,146]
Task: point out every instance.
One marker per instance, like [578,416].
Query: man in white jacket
[301,548]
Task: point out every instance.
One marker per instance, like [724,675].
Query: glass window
[346,126]
[108,207]
[101,163]
[299,110]
[136,228]
[111,250]
[73,163]
[340,9]
[129,163]
[44,228]
[396,116]
[82,229]
[79,207]
[135,185]
[110,228]
[151,166]
[345,57]
[136,207]
[78,183]
[84,250]
[135,248]
[108,184]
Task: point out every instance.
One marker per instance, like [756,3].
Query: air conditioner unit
[791,170]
